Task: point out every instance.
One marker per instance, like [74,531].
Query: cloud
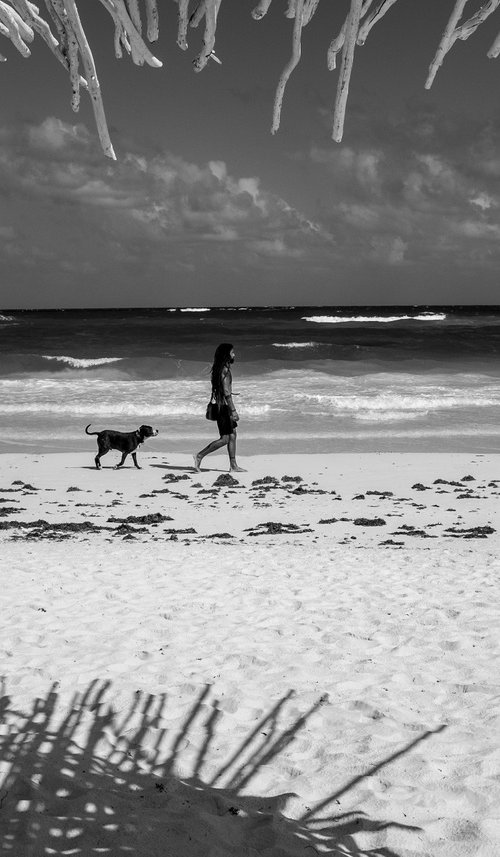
[146,213]
[388,249]
[415,198]
[419,189]
[54,135]
[478,229]
[483,201]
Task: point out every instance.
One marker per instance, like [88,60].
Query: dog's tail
[90,432]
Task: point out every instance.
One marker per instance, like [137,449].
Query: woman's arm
[228,393]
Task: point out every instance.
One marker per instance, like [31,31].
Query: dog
[125,441]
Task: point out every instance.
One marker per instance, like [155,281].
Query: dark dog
[125,441]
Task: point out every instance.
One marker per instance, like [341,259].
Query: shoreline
[252,446]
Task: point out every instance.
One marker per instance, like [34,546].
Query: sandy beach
[302,660]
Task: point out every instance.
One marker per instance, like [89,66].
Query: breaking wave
[371,319]
[81,362]
[295,344]
[122,408]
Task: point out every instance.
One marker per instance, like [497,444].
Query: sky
[204,207]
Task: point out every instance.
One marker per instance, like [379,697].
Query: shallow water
[307,379]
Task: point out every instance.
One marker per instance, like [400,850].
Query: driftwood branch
[291,64]
[136,21]
[351,34]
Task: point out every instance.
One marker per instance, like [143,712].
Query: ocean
[307,379]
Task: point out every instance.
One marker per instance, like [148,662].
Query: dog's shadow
[102,467]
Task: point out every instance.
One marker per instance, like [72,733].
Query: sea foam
[295,344]
[360,319]
[81,362]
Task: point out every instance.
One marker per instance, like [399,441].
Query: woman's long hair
[222,358]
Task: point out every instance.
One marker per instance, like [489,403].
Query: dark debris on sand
[271,528]
[10,510]
[470,532]
[218,536]
[302,489]
[125,529]
[25,486]
[188,531]
[261,489]
[42,529]
[409,530]
[153,518]
[164,491]
[225,480]
[270,481]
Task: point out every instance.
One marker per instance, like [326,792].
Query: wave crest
[295,344]
[360,319]
[123,408]
[81,362]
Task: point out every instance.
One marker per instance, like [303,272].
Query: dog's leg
[124,455]
[134,456]
[98,457]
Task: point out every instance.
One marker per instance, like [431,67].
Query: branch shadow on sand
[96,777]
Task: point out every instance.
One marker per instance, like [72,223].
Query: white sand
[273,694]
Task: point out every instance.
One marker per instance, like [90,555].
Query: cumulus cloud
[420,190]
[483,201]
[416,195]
[156,212]
[54,135]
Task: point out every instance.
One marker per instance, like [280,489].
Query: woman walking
[227,419]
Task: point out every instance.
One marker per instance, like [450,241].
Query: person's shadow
[189,468]
[88,781]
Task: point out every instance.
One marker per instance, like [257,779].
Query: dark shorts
[225,424]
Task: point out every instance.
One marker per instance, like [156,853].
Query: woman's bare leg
[211,447]
[231,448]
